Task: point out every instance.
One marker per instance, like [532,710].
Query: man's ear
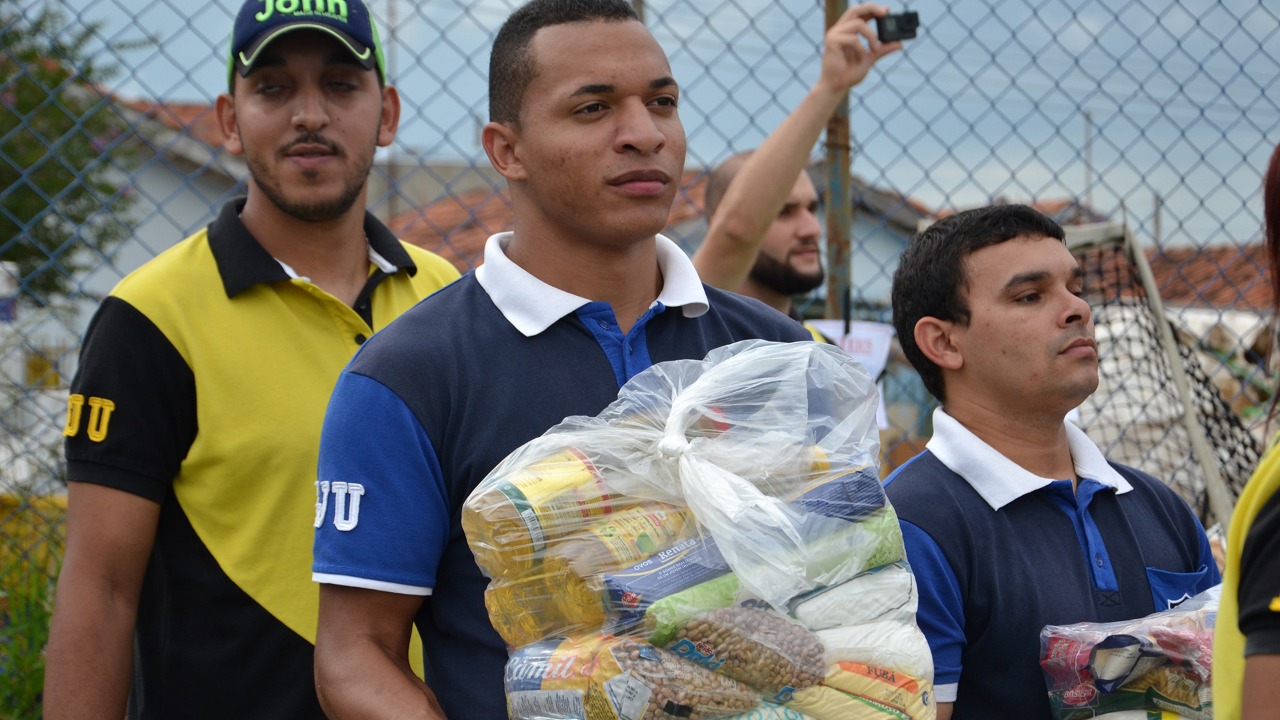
[502,145]
[390,120]
[225,110]
[936,340]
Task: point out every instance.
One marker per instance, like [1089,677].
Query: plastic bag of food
[1159,662]
[689,519]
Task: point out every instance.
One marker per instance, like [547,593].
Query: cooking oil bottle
[563,593]
[508,526]
[541,605]
[623,538]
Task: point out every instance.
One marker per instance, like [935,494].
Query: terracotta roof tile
[1218,276]
[195,119]
[457,226]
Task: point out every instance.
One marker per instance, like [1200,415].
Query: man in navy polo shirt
[1012,517]
[582,296]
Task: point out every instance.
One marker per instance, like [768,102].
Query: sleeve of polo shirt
[382,518]
[941,611]
[1259,591]
[131,414]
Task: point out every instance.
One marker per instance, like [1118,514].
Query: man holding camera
[761,205]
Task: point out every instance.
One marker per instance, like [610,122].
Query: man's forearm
[362,657]
[89,659]
[364,681]
[1261,687]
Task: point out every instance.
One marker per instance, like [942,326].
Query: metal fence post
[839,206]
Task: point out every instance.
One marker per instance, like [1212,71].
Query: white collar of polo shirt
[998,479]
[532,305]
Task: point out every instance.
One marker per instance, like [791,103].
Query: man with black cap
[193,423]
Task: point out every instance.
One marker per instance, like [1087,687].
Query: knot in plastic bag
[672,447]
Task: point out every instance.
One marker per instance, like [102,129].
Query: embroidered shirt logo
[346,503]
[100,410]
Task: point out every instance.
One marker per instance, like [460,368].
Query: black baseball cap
[260,22]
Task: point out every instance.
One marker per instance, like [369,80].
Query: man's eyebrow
[1026,278]
[600,89]
[605,89]
[1036,276]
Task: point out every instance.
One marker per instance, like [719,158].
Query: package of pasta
[860,690]
[1161,662]
[692,517]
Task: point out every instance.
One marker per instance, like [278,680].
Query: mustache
[311,139]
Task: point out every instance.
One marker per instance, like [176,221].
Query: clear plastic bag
[1159,662]
[687,518]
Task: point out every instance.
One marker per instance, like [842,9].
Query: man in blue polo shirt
[1012,517]
[582,296]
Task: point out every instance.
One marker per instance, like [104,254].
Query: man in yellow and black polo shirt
[193,424]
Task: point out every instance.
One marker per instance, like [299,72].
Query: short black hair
[931,282]
[511,64]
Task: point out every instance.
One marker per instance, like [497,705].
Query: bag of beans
[612,678]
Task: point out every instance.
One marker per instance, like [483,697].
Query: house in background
[178,176]
[1218,299]
[1221,297]
[181,179]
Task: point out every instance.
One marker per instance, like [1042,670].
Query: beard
[781,278]
[322,210]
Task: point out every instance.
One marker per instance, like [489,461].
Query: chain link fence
[1153,114]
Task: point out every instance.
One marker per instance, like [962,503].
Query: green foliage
[31,545]
[60,140]
[24,631]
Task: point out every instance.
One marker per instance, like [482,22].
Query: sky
[1128,104]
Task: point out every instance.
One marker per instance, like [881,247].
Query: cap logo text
[332,8]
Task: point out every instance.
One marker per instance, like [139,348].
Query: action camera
[901,26]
